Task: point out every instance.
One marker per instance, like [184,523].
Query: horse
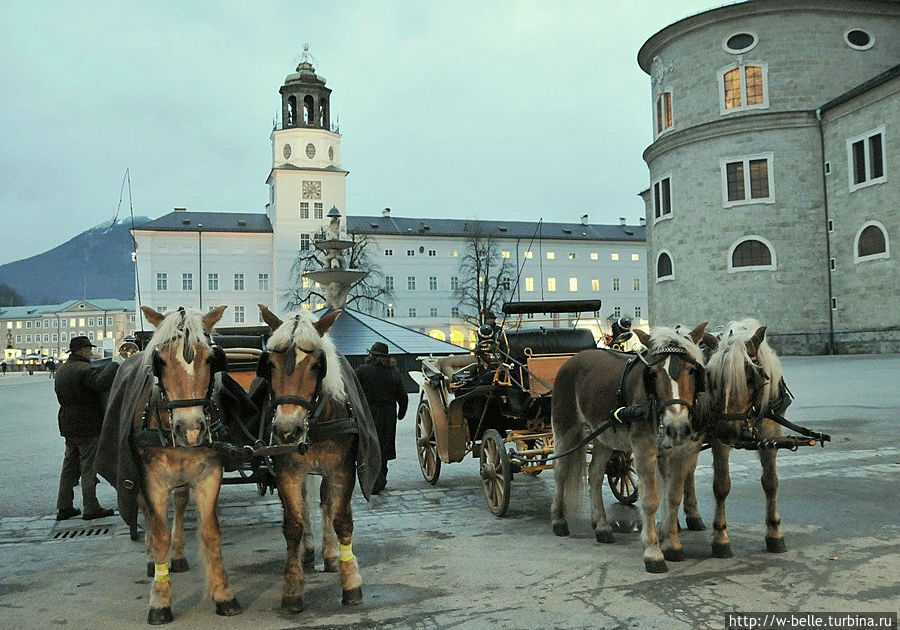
[308,406]
[184,363]
[657,390]
[745,382]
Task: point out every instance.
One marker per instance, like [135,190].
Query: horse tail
[568,431]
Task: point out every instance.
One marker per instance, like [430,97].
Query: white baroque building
[202,259]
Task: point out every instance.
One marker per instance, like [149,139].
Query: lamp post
[200,262]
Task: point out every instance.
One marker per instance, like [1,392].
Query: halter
[757,408]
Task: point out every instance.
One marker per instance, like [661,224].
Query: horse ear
[212,317]
[326,322]
[756,341]
[269,317]
[644,337]
[710,341]
[697,333]
[152,316]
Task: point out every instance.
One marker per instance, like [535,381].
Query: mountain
[96,263]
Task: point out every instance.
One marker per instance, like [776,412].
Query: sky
[502,109]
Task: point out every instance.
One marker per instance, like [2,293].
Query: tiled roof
[211,222]
[403,226]
[30,312]
[355,332]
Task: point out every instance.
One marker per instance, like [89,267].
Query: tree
[9,296]
[484,277]
[371,295]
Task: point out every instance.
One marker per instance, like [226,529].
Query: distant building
[774,171]
[45,330]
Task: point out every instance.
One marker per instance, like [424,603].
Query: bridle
[757,408]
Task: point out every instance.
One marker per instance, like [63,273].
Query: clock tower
[306,179]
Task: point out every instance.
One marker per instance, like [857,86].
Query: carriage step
[81,532]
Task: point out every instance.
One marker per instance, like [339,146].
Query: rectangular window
[410,252]
[62,337]
[637,311]
[63,323]
[411,283]
[528,255]
[55,324]
[595,284]
[505,284]
[90,335]
[305,283]
[662,197]
[304,242]
[187,282]
[317,210]
[18,338]
[27,338]
[90,321]
[389,252]
[432,283]
[412,311]
[663,112]
[454,311]
[389,283]
[389,310]
[109,321]
[263,282]
[304,209]
[551,284]
[212,282]
[571,255]
[81,322]
[55,337]
[529,284]
[747,180]
[432,252]
[162,282]
[161,309]
[617,312]
[866,159]
[238,314]
[637,284]
[238,282]
[573,285]
[551,255]
[505,254]
[614,256]
[454,283]
[615,284]
[635,257]
[595,256]
[454,253]
[433,312]
[743,87]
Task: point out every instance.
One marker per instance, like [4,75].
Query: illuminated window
[663,112]
[573,284]
[635,257]
[80,321]
[571,255]
[614,256]
[528,255]
[551,284]
[307,307]
[389,310]
[743,87]
[319,305]
[453,253]
[551,256]
[305,282]
[595,256]
[505,253]
[437,334]
[529,284]
[595,284]
[457,338]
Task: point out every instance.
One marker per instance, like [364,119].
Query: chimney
[421,226]
[643,220]
[180,209]
[584,219]
[386,213]
[621,220]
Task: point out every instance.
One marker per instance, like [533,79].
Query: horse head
[673,376]
[303,370]
[184,364]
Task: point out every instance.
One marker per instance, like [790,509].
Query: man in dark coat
[383,387]
[79,389]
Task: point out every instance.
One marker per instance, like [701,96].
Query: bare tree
[484,277]
[371,295]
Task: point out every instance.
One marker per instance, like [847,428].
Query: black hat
[80,342]
[379,349]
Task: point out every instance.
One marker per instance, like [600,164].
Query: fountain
[335,278]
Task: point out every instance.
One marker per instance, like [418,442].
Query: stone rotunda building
[774,171]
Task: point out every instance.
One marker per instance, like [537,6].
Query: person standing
[79,389]
[383,387]
[4,368]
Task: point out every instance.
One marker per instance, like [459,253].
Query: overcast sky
[447,108]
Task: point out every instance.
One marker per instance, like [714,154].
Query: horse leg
[309,541]
[721,546]
[158,538]
[645,465]
[207,493]
[774,535]
[330,550]
[290,489]
[692,517]
[596,474]
[340,489]
[145,510]
[568,471]
[674,473]
[179,563]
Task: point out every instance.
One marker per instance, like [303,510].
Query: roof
[290,167]
[862,88]
[355,332]
[402,226]
[34,311]
[211,222]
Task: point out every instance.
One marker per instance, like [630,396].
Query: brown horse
[657,390]
[308,399]
[184,364]
[745,377]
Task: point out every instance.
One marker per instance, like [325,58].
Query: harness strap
[188,402]
[593,434]
[821,437]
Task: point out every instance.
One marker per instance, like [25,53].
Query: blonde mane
[662,336]
[173,328]
[726,365]
[297,330]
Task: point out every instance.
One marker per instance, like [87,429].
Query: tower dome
[304,97]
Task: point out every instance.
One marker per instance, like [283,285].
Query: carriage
[495,402]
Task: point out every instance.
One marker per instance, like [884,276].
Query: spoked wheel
[495,472]
[622,478]
[426,444]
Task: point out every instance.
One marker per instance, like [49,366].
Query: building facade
[773,171]
[44,331]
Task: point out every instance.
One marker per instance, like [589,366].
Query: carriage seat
[545,341]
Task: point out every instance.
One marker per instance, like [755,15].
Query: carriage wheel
[496,474]
[622,478]
[426,445]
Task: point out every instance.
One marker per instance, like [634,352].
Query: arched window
[665,269]
[323,114]
[437,334]
[457,338]
[292,111]
[871,242]
[309,109]
[751,253]
[743,86]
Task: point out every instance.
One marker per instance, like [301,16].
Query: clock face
[286,151]
[312,190]
[310,150]
[331,153]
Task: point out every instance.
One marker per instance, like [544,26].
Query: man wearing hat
[79,390]
[383,387]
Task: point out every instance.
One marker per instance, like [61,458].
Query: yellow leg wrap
[346,552]
[162,573]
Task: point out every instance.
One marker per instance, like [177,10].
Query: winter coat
[79,390]
[384,392]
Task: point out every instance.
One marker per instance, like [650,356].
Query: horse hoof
[775,545]
[229,608]
[159,616]
[674,555]
[292,605]
[151,569]
[352,597]
[695,523]
[331,565]
[655,566]
[561,529]
[178,565]
[309,558]
[604,537]
[721,550]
